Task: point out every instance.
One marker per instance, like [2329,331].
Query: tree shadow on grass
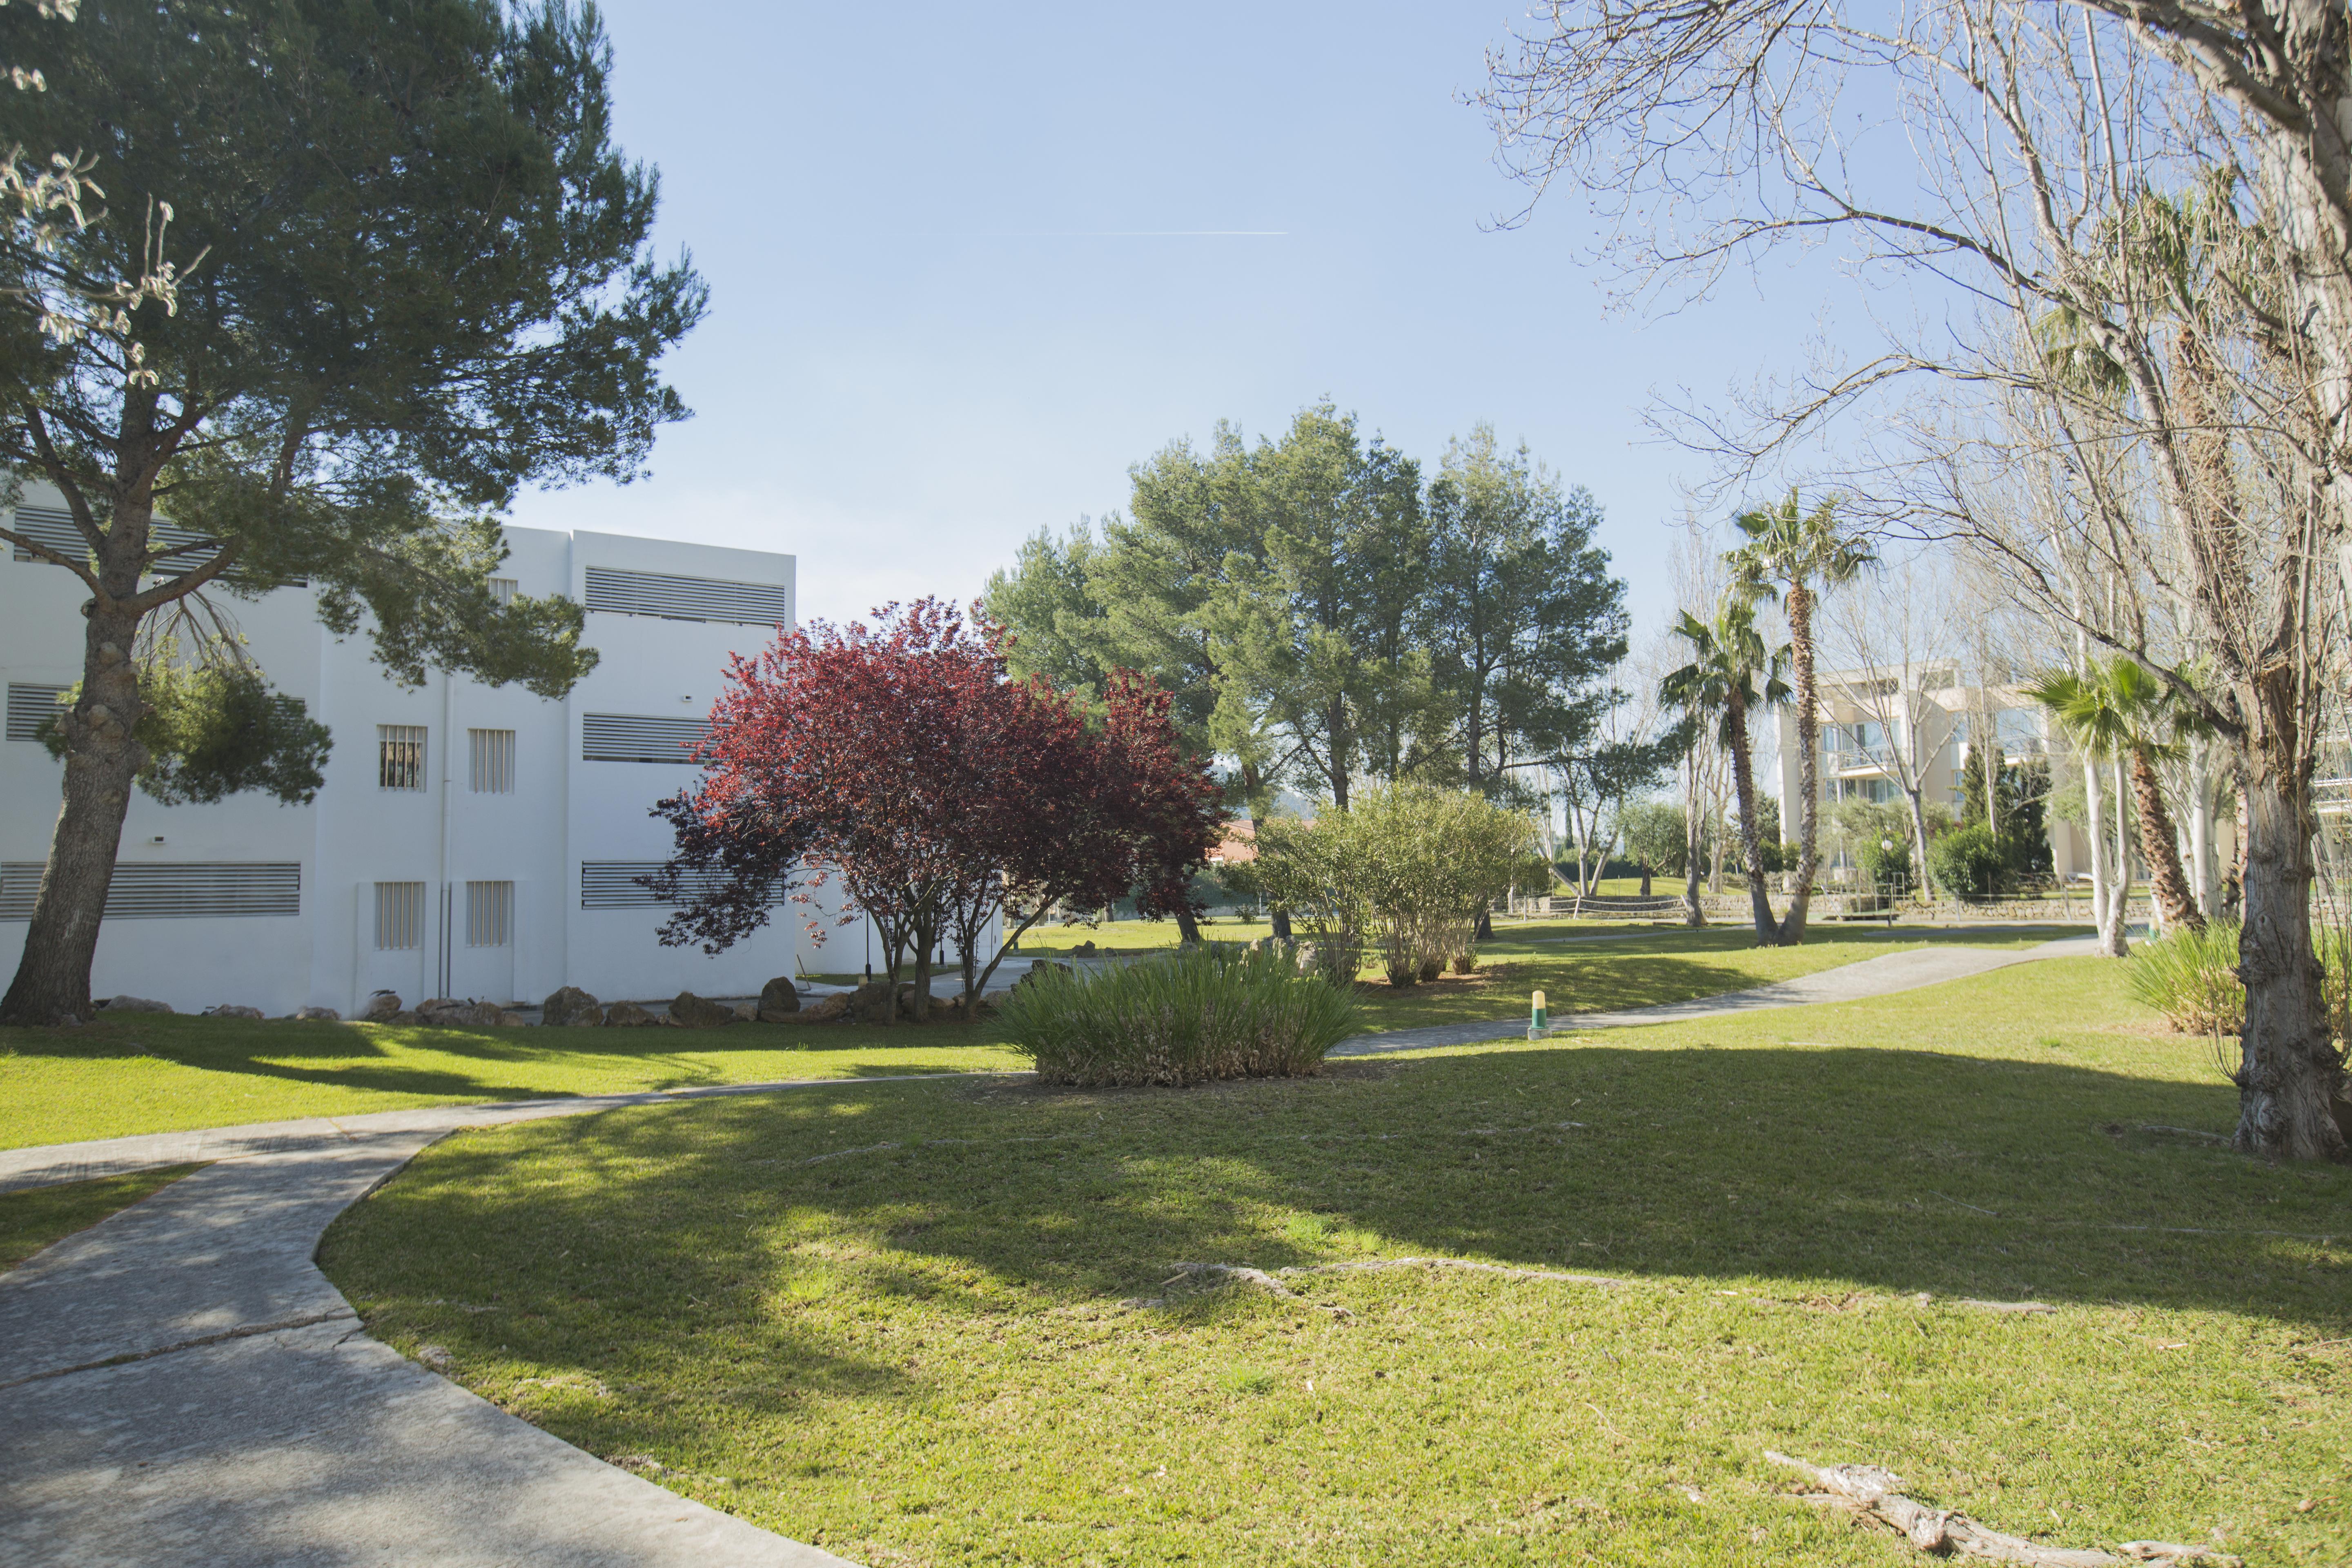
[1895,1169]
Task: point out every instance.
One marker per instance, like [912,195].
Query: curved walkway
[180,1385]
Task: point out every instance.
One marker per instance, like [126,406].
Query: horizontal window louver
[54,526]
[688,599]
[28,705]
[638,738]
[189,890]
[619,885]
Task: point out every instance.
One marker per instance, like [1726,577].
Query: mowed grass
[893,1320]
[158,1073]
[42,1216]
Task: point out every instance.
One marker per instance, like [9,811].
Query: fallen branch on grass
[1870,1490]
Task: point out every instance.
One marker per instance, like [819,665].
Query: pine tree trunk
[2288,1066]
[102,761]
[1751,842]
[2156,847]
[1800,643]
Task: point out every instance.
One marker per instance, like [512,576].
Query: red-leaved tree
[900,760]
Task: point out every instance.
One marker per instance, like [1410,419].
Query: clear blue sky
[948,307]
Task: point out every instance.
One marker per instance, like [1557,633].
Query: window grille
[489,913]
[490,754]
[30,707]
[172,889]
[54,526]
[688,599]
[399,916]
[400,756]
[638,738]
[621,885]
[502,589]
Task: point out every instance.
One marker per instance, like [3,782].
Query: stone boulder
[401,1017]
[444,1012]
[132,1005]
[319,1014]
[688,1011]
[566,1005]
[627,1015]
[231,1010]
[780,1000]
[1038,966]
[380,1008]
[867,1002]
[1085,949]
[825,1010]
[747,1012]
[510,1019]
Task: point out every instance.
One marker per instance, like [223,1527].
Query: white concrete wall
[563,810]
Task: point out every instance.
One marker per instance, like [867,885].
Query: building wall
[562,811]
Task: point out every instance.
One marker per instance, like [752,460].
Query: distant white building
[1878,724]
[469,842]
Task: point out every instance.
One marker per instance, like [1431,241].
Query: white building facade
[469,842]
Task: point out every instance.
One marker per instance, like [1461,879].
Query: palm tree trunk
[1751,842]
[2288,1066]
[1809,789]
[2156,847]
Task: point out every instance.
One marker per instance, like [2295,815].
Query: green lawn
[889,1318]
[35,1218]
[153,1073]
[156,1073]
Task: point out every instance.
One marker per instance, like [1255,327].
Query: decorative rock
[443,1013]
[380,1008]
[511,1020]
[1038,966]
[779,999]
[319,1014]
[587,1018]
[403,1016]
[867,1002]
[566,1004]
[825,1010]
[627,1015]
[688,1011]
[132,1005]
[231,1010]
[1085,949]
[747,1012]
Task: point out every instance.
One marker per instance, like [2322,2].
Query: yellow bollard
[1539,1020]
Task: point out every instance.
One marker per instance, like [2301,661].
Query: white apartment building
[1876,725]
[469,842]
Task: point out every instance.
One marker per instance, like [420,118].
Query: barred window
[172,889]
[399,916]
[400,756]
[621,885]
[489,913]
[30,707]
[491,756]
[686,598]
[639,737]
[502,589]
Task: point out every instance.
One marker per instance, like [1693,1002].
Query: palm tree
[1789,550]
[1720,686]
[2120,711]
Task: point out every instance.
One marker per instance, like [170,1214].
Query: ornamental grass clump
[2190,977]
[1201,1013]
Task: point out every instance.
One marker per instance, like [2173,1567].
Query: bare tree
[2126,224]
[1887,633]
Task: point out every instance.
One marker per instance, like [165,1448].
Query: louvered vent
[191,889]
[27,706]
[620,885]
[637,738]
[54,526]
[688,599]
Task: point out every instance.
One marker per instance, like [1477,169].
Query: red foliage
[901,759]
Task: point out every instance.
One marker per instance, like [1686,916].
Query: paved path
[180,1385]
[1884,976]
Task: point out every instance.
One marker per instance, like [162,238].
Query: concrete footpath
[1884,976]
[180,1385]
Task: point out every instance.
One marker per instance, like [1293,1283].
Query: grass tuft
[1201,1013]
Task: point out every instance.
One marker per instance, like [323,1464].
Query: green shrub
[1201,1013]
[2189,976]
[1968,862]
[1406,868]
